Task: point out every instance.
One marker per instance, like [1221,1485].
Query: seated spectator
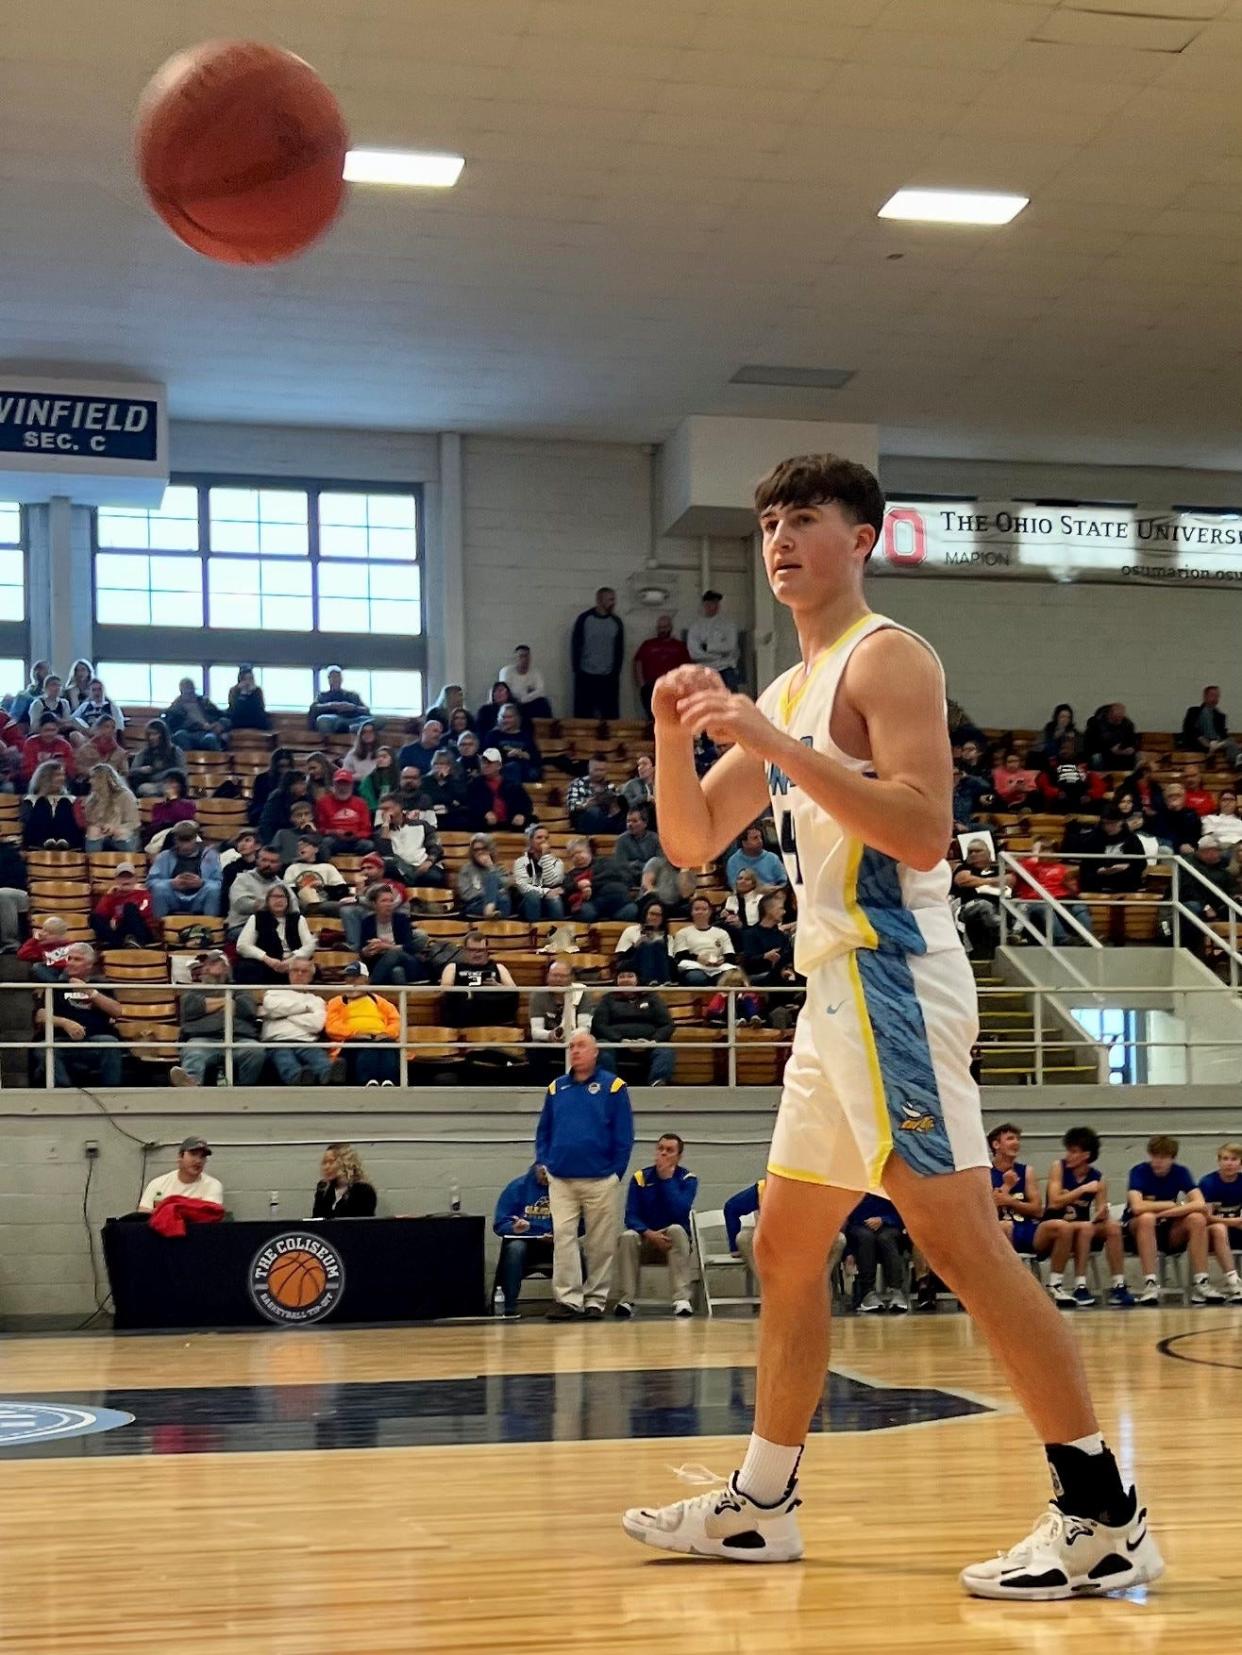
[1146,795]
[580,881]
[273,936]
[1059,728]
[1205,729]
[86,1050]
[408,838]
[1225,824]
[1060,880]
[539,878]
[1068,784]
[411,789]
[1111,740]
[203,1025]
[188,1178]
[277,812]
[740,909]
[640,789]
[46,746]
[874,1234]
[366,1027]
[557,1009]
[96,705]
[301,828]
[249,888]
[1180,827]
[383,778]
[974,760]
[394,952]
[1112,839]
[195,723]
[318,887]
[520,758]
[343,818]
[247,708]
[419,754]
[472,979]
[175,806]
[523,1221]
[655,656]
[633,1027]
[14,902]
[1197,796]
[101,747]
[185,877]
[319,770]
[525,684]
[280,765]
[110,812]
[980,884]
[19,711]
[1222,1195]
[487,715]
[11,757]
[469,754]
[46,949]
[53,703]
[767,957]
[645,946]
[445,792]
[1166,1213]
[961,726]
[702,951]
[49,820]
[153,760]
[78,684]
[658,1203]
[481,889]
[493,802]
[751,853]
[1078,1196]
[590,803]
[451,699]
[124,916]
[368,880]
[672,886]
[343,1190]
[235,859]
[360,759]
[1012,785]
[972,796]
[336,710]
[636,847]
[460,723]
[1208,885]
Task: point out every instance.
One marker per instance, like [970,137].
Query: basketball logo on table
[296,1278]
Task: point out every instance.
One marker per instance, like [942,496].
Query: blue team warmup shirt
[1226,1198]
[1176,1181]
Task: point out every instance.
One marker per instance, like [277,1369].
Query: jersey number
[789,848]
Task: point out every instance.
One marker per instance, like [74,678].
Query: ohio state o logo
[905,537]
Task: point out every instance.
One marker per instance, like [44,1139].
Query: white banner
[1117,544]
[99,443]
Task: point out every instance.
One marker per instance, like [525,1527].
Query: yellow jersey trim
[798,1174]
[617,1084]
[639,1179]
[789,700]
[849,894]
[879,1104]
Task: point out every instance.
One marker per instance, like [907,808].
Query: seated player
[1222,1191]
[1167,1214]
[875,1235]
[742,1239]
[657,1227]
[1015,1190]
[1078,1194]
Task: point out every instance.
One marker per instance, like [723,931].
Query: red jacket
[349,817]
[113,900]
[35,751]
[176,1211]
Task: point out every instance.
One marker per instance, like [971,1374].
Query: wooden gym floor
[457,1489]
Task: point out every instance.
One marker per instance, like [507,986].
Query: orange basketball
[296,1280]
[241,150]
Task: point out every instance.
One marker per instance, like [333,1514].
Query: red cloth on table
[176,1211]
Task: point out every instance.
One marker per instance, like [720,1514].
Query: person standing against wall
[597,648]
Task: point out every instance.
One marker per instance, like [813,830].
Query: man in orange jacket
[368,1025]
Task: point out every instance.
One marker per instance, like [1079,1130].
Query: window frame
[15,634]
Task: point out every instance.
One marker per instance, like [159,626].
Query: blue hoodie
[586,1129]
[874,1206]
[524,1198]
[740,1206]
[653,1203]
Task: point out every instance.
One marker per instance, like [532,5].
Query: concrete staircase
[1007,1040]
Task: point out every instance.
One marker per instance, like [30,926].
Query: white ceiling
[658,191]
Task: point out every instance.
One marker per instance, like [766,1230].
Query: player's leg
[1191,1232]
[1109,1232]
[1082,1235]
[1220,1243]
[1056,1235]
[952,1218]
[1143,1232]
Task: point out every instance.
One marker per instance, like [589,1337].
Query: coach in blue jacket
[584,1138]
[523,1221]
[657,1227]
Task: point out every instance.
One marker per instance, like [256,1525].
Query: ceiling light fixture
[804,379]
[954,206]
[410,168]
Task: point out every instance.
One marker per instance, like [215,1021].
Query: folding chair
[711,1250]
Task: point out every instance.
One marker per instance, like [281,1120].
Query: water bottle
[454,1196]
[273,1204]
[498,1301]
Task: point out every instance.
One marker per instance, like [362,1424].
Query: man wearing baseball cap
[186,1178]
[493,802]
[124,916]
[342,818]
[712,640]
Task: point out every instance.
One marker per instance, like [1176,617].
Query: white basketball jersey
[850,895]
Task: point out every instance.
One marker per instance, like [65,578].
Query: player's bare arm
[698,818]
[894,688]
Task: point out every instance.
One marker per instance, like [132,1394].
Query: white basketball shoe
[724,1524]
[1069,1557]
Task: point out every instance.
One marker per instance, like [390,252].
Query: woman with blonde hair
[78,684]
[110,812]
[343,1190]
[360,759]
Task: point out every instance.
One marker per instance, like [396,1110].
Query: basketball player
[1078,1194]
[850,747]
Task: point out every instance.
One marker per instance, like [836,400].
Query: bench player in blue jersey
[850,751]
[1078,1195]
[1222,1192]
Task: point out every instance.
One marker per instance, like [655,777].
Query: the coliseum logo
[296,1278]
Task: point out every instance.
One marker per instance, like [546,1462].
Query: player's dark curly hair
[1082,1137]
[817,480]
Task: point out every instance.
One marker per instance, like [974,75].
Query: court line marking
[1165,1348]
[989,1403]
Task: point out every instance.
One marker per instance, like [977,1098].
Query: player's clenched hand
[727,718]
[676,685]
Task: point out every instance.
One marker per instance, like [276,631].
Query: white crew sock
[767,1470]
[1201,1277]
[1119,1281]
[1231,1276]
[1149,1281]
[1080,1281]
[1094,1444]
[1054,1278]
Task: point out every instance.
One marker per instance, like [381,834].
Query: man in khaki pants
[584,1138]
[657,1227]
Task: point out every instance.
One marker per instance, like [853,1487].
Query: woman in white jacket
[702,951]
[293,1019]
[110,812]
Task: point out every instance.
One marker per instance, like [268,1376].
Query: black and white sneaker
[725,1524]
[1069,1557]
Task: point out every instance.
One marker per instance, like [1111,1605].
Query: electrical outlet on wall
[91,1148]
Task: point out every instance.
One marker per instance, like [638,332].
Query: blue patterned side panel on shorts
[910,1089]
[879,897]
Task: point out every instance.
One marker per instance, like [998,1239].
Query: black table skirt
[215,1276]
